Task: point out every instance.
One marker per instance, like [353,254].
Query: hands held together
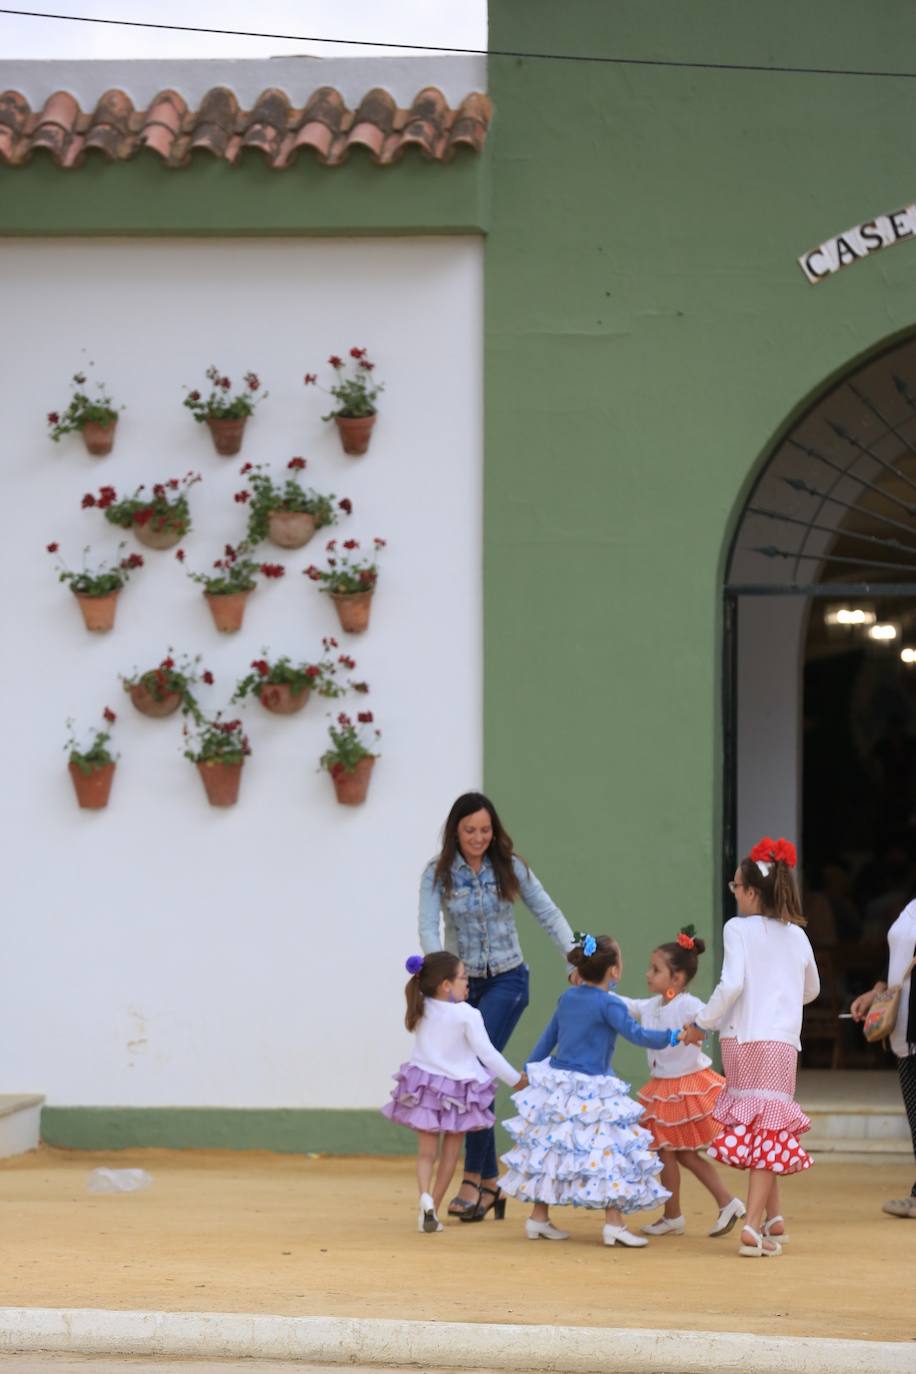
[692,1035]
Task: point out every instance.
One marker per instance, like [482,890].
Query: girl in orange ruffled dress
[680,1096]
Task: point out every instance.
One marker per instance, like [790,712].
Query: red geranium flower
[312,671]
[109,715]
[52,548]
[346,505]
[272,569]
[261,665]
[312,572]
[365,717]
[180,555]
[366,365]
[242,497]
[143,517]
[335,361]
[344,719]
[359,686]
[246,467]
[310,379]
[297,464]
[347,661]
[358,352]
[53,417]
[167,663]
[207,677]
[87,501]
[351,543]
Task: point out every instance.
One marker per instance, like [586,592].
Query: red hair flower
[771,851]
[684,940]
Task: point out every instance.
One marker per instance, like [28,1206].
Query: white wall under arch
[162,952]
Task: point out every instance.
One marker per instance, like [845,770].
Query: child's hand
[692,1035]
[522,1083]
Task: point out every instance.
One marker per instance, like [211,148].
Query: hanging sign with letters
[859,242]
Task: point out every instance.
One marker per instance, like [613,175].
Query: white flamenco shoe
[427,1221]
[619,1235]
[665,1226]
[727,1217]
[767,1229]
[764,1247]
[544,1230]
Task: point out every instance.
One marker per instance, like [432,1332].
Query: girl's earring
[670,994]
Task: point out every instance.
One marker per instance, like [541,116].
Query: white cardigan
[450,1039]
[768,975]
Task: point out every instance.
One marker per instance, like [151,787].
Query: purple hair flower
[414,964]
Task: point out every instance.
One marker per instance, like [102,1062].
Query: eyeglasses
[733,887]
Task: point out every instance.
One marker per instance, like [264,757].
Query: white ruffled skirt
[577,1141]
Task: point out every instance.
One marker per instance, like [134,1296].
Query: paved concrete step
[855,1123]
[20,1123]
[858,1149]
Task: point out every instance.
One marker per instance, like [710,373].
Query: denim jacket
[479,924]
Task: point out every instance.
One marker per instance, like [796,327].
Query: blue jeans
[500,999]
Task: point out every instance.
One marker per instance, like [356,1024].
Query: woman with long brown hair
[472,886]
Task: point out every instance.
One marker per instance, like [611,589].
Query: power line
[473,52]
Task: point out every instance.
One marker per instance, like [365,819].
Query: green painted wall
[223,1128]
[648,331]
[210,197]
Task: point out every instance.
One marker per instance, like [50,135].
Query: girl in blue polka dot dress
[576,1137]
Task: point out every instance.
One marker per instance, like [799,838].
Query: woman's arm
[542,907]
[731,981]
[546,1042]
[616,1015]
[862,1005]
[486,1051]
[430,906]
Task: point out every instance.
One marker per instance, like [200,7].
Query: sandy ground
[251,1232]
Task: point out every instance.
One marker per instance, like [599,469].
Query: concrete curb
[440,1345]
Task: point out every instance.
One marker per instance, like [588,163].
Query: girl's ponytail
[426,973]
[768,869]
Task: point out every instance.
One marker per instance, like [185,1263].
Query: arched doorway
[819,686]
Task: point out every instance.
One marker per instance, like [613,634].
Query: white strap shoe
[665,1226]
[544,1230]
[728,1216]
[426,1217]
[619,1235]
[767,1229]
[764,1247]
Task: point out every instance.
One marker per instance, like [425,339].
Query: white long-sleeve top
[768,975]
[901,940]
[450,1039]
[675,1061]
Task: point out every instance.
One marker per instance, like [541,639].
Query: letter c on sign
[811,272]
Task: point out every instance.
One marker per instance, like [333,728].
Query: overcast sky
[454,23]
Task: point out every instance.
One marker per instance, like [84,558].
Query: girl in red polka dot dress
[768,975]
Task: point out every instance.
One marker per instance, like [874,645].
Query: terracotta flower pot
[353,610]
[98,611]
[227,435]
[280,698]
[221,782]
[290,529]
[149,705]
[351,788]
[228,611]
[164,537]
[355,432]
[92,789]
[98,438]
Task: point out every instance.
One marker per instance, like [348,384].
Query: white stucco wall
[163,952]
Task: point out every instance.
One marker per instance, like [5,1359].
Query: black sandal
[497,1206]
[459,1206]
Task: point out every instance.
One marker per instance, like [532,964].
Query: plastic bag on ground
[118,1180]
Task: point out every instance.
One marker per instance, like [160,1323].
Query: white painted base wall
[163,952]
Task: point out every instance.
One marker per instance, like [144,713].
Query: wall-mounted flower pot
[150,705]
[228,611]
[280,698]
[290,529]
[98,438]
[351,788]
[355,433]
[353,610]
[227,435]
[98,611]
[221,782]
[92,789]
[159,537]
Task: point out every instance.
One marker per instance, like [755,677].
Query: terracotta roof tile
[323,126]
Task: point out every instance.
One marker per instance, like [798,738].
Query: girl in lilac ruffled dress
[446,1087]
